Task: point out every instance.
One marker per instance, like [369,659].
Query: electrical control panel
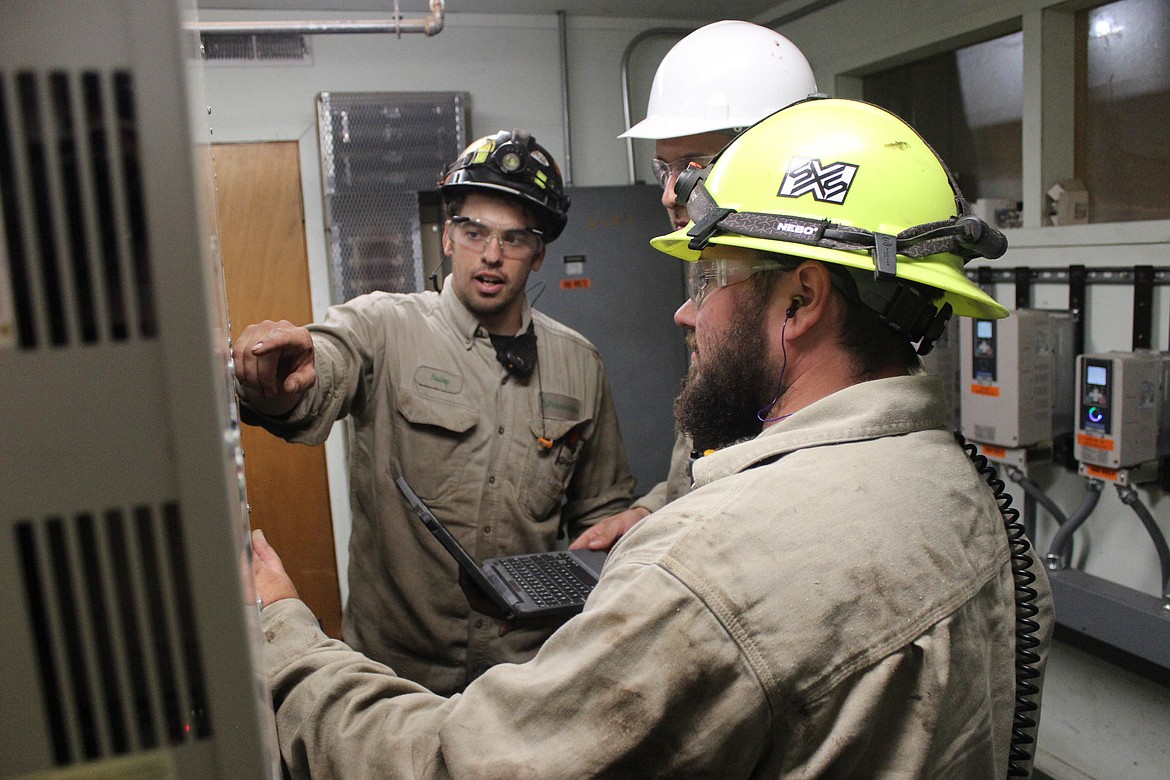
[129,628]
[1121,408]
[1016,378]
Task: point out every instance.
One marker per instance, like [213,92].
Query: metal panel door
[602,278]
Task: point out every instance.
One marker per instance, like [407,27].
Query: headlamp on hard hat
[511,162]
[511,156]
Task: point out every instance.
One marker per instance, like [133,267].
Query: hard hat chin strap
[903,308]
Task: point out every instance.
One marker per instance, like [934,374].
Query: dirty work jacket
[419,380]
[833,599]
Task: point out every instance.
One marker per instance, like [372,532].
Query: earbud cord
[780,383]
[543,440]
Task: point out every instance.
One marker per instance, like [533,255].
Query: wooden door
[266,272]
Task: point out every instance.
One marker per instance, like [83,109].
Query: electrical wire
[1058,550]
[1033,494]
[1030,516]
[1034,491]
[760,415]
[1129,496]
[1027,659]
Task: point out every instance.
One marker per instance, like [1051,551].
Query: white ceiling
[695,10]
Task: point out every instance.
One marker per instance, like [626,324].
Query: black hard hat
[512,162]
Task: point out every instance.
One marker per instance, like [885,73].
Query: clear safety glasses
[707,276]
[666,172]
[515,243]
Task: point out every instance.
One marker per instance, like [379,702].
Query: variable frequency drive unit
[1122,408]
[1017,378]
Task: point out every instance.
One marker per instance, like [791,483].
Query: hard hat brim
[662,126]
[943,272]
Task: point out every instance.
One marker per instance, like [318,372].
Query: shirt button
[491,480]
[487,529]
[479,623]
[501,430]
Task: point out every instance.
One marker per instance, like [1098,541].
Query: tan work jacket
[834,599]
[418,379]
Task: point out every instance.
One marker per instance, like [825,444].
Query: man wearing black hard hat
[500,418]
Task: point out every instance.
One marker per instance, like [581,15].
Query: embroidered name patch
[438,379]
[560,407]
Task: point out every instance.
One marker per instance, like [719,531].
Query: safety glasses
[707,276]
[515,243]
[666,172]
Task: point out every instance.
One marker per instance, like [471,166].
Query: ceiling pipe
[799,13]
[563,42]
[429,25]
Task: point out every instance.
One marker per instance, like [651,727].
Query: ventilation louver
[238,48]
[109,599]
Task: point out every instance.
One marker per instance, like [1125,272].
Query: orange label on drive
[1101,472]
[990,390]
[992,451]
[574,284]
[1094,442]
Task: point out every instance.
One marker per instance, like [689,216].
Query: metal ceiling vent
[238,48]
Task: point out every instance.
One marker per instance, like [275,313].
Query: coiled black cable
[1027,659]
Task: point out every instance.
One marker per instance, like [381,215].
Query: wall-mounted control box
[1016,380]
[1122,408]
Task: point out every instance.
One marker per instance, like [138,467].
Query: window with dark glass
[967,104]
[1123,110]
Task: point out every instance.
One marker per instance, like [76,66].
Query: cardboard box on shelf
[1070,202]
[1001,212]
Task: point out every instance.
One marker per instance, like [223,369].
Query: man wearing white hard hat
[712,84]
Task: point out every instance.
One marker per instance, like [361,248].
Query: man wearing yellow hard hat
[840,594]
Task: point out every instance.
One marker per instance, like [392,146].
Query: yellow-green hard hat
[846,182]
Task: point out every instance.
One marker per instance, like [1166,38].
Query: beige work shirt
[834,599]
[419,380]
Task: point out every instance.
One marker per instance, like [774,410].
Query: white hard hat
[726,75]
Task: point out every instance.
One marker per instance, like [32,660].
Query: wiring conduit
[1058,550]
[1129,496]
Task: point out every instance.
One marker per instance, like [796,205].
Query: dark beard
[720,401]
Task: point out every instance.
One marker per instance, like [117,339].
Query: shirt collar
[464,322]
[867,410]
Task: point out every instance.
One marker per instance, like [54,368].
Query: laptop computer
[533,585]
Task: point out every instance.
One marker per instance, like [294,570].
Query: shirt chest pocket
[433,438]
[550,468]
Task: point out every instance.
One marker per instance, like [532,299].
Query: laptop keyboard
[549,578]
